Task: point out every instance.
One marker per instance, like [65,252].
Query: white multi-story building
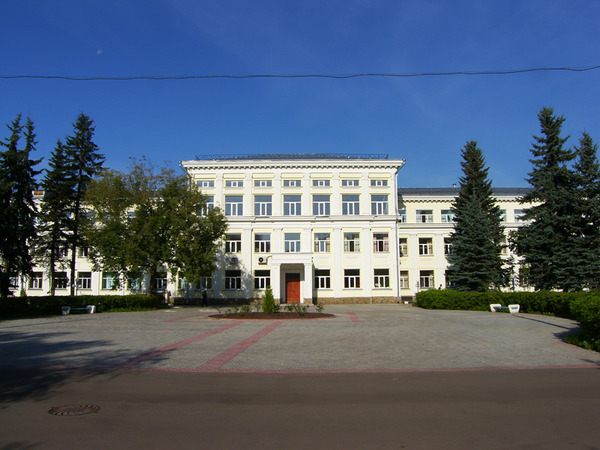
[313,227]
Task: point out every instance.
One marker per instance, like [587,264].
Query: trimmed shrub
[268,305]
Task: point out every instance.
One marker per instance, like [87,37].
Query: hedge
[581,306]
[48,305]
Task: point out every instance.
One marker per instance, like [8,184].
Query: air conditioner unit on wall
[262,260]
[233,260]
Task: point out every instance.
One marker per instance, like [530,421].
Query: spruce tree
[84,161]
[587,170]
[549,244]
[17,208]
[55,219]
[475,262]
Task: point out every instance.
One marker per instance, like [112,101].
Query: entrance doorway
[292,288]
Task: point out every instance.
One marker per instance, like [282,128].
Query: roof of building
[291,156]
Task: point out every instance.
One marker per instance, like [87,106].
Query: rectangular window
[234,205]
[351,242]
[292,242]
[404,279]
[13,281]
[233,280]
[322,242]
[447,246]
[83,252]
[321,205]
[519,213]
[263,205]
[350,205]
[36,281]
[349,183]
[205,283]
[321,183]
[263,183]
[134,281]
[403,246]
[424,216]
[234,183]
[84,280]
[381,278]
[262,243]
[262,279]
[503,215]
[292,205]
[292,183]
[379,204]
[352,278]
[206,184]
[160,283]
[402,215]
[322,279]
[447,216]
[109,280]
[233,243]
[425,246]
[379,183]
[426,280]
[381,243]
[60,280]
[208,205]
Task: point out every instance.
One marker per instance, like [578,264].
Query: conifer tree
[587,170]
[84,161]
[55,220]
[17,207]
[549,244]
[475,262]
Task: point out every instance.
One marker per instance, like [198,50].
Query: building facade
[316,228]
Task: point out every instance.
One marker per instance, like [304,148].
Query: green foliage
[474,261]
[268,304]
[17,208]
[150,218]
[319,307]
[51,305]
[586,310]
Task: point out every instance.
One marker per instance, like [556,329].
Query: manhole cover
[74,410]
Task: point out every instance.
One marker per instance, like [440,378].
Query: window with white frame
[351,278]
[403,246]
[447,216]
[60,280]
[425,246]
[233,280]
[233,243]
[350,205]
[83,252]
[402,215]
[292,183]
[263,205]
[350,183]
[503,215]
[322,279]
[292,242]
[321,205]
[381,243]
[351,242]
[205,283]
[404,284]
[379,183]
[36,281]
[381,278]
[292,205]
[263,183]
[262,279]
[208,205]
[321,183]
[426,280]
[206,184]
[234,183]
[379,204]
[519,214]
[13,281]
[84,280]
[447,246]
[262,242]
[322,242]
[234,205]
[109,280]
[134,281]
[424,216]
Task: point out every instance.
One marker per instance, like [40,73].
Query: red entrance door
[292,287]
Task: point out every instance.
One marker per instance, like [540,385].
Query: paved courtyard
[361,338]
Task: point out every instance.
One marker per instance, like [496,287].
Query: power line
[313,75]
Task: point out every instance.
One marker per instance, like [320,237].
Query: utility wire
[314,75]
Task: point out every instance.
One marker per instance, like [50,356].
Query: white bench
[90,309]
[513,309]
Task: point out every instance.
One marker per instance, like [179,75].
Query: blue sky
[425,120]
